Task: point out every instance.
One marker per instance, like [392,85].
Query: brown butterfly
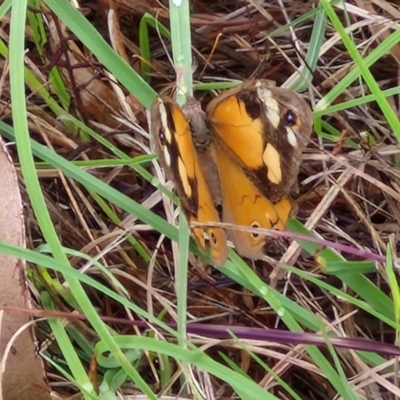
[236,164]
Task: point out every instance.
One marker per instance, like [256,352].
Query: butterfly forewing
[266,129]
[173,142]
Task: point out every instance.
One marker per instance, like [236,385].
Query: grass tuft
[126,308]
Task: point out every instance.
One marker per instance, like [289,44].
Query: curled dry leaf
[21,369]
[93,95]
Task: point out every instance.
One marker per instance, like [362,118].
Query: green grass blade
[305,74]
[145,22]
[237,381]
[365,72]
[5,7]
[79,374]
[181,48]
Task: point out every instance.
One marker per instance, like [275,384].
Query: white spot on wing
[184,178]
[164,121]
[271,105]
[291,136]
[167,156]
[272,160]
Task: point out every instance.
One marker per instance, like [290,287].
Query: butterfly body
[242,157]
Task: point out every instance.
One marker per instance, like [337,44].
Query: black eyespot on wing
[162,137]
[290,118]
[255,235]
[213,238]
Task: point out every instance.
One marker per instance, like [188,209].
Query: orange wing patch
[244,205]
[173,141]
[237,129]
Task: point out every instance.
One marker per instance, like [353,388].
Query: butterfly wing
[258,132]
[172,140]
[244,205]
[265,130]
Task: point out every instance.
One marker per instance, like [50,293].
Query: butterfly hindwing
[244,205]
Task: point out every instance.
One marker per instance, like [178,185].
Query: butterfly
[235,163]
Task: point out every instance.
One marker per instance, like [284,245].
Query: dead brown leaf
[21,369]
[94,96]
